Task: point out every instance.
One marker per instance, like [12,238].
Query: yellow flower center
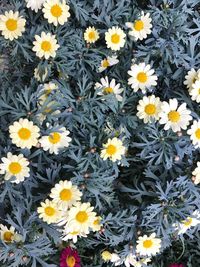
[71,261]
[111,150]
[54,138]
[105,63]
[24,133]
[56,11]
[96,222]
[15,168]
[74,233]
[11,24]
[174,116]
[197,133]
[108,90]
[187,222]
[138,25]
[91,35]
[142,77]
[49,211]
[106,255]
[46,46]
[66,195]
[7,236]
[82,216]
[150,109]
[147,243]
[115,38]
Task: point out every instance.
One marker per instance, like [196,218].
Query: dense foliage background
[152,188]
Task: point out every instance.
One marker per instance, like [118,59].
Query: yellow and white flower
[189,222]
[56,11]
[49,212]
[15,166]
[24,133]
[195,91]
[142,77]
[196,173]
[148,245]
[56,141]
[106,255]
[91,35]
[42,75]
[149,108]
[131,260]
[140,28]
[65,194]
[113,149]
[72,235]
[194,133]
[96,226]
[191,77]
[109,88]
[80,218]
[12,25]
[45,45]
[108,62]
[47,89]
[174,117]
[115,38]
[9,235]
[35,4]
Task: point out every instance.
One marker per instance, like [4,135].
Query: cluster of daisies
[66,209]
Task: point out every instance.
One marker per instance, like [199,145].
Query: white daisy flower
[96,226]
[9,235]
[196,173]
[80,218]
[191,77]
[24,133]
[47,89]
[141,77]
[113,149]
[65,194]
[35,5]
[140,28]
[15,166]
[45,45]
[195,91]
[91,35]
[131,260]
[12,25]
[189,222]
[194,133]
[56,11]
[116,259]
[55,141]
[115,38]
[72,235]
[174,117]
[109,88]
[149,108]
[108,62]
[148,245]
[49,212]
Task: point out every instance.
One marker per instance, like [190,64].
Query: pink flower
[69,258]
[176,265]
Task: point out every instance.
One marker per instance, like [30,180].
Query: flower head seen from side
[91,35]
[191,77]
[175,117]
[194,133]
[106,255]
[195,91]
[96,226]
[69,258]
[189,222]
[45,45]
[109,87]
[12,25]
[149,109]
[140,28]
[56,11]
[142,77]
[42,75]
[196,173]
[132,260]
[48,212]
[67,235]
[115,38]
[65,194]
[9,235]
[24,133]
[108,62]
[80,217]
[56,141]
[47,89]
[34,5]
[113,149]
[148,245]
[15,166]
